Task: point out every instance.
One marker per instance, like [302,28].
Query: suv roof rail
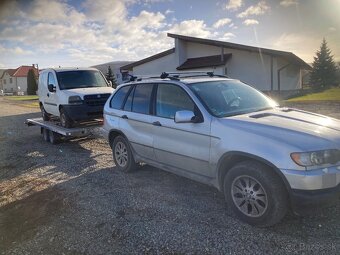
[175,75]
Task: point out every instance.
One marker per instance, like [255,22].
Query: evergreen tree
[32,85]
[111,77]
[323,74]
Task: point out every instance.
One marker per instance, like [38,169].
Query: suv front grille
[96,100]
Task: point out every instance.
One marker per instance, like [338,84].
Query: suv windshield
[80,79]
[228,98]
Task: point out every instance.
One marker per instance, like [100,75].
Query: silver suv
[222,132]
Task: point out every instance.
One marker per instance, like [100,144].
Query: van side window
[51,79]
[141,98]
[119,97]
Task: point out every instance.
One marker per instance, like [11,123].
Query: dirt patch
[21,220]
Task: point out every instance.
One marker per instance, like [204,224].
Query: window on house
[10,80]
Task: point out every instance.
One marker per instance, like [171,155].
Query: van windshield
[80,79]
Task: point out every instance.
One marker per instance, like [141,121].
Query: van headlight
[75,100]
[316,158]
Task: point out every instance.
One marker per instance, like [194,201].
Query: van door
[50,99]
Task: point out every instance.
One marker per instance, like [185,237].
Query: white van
[72,94]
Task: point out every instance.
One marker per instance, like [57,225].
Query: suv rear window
[118,98]
[141,98]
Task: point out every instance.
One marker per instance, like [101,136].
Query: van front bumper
[83,112]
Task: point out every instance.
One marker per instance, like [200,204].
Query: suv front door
[185,146]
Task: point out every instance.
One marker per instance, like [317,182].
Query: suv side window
[51,79]
[170,99]
[128,103]
[141,98]
[119,97]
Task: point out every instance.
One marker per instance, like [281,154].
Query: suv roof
[185,77]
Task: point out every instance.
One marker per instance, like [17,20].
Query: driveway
[70,199]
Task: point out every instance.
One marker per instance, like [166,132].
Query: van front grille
[96,100]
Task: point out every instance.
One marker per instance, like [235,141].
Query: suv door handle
[124,117]
[157,123]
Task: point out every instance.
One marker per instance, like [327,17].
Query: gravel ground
[69,199]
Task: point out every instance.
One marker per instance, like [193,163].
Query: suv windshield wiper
[247,111]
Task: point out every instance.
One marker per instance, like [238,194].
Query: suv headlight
[316,158]
[75,100]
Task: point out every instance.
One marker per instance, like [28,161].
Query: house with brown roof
[15,80]
[265,69]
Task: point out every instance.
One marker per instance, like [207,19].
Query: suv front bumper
[314,187]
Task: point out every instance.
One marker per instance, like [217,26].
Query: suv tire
[122,155]
[255,194]
[65,121]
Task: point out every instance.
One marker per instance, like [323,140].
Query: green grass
[22,98]
[327,95]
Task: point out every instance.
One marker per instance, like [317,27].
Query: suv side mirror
[184,117]
[51,88]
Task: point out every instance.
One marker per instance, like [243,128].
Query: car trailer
[53,132]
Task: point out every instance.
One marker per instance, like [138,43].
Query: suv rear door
[185,146]
[135,120]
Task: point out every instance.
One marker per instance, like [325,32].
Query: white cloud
[168,11]
[287,3]
[227,36]
[331,29]
[196,28]
[250,22]
[221,23]
[16,51]
[234,5]
[259,9]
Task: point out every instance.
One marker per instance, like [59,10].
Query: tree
[111,77]
[323,74]
[32,85]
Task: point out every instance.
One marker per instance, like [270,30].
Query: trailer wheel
[54,137]
[46,134]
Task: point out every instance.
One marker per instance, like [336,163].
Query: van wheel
[46,134]
[255,194]
[65,121]
[45,115]
[122,155]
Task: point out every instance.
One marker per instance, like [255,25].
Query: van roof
[66,69]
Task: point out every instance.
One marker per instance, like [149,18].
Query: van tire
[44,114]
[65,121]
[256,194]
[122,155]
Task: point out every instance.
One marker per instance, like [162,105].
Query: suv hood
[305,130]
[88,91]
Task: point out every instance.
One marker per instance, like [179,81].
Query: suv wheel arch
[229,159]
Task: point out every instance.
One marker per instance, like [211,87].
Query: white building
[115,67]
[15,80]
[265,69]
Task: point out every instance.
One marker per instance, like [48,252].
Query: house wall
[156,67]
[9,86]
[249,67]
[22,83]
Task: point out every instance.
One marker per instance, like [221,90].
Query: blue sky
[83,33]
